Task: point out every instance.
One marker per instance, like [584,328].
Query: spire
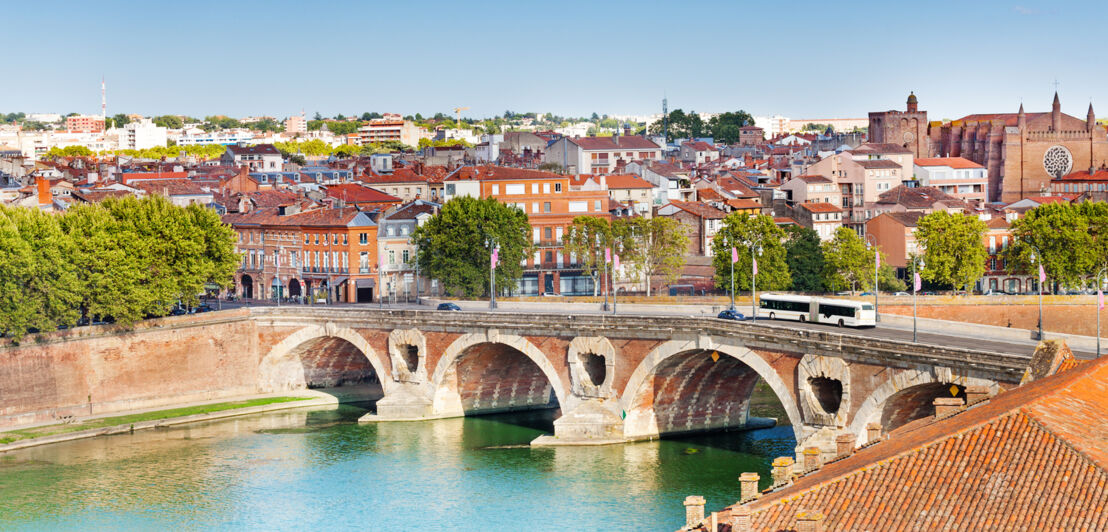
[1090,119]
[1056,114]
[1022,119]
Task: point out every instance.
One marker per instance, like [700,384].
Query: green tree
[887,280]
[815,127]
[804,256]
[586,237]
[725,127]
[39,282]
[120,120]
[453,244]
[1062,240]
[343,128]
[744,231]
[169,121]
[954,249]
[848,265]
[346,151]
[68,151]
[311,148]
[653,246]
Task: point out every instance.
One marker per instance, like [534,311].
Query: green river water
[320,470]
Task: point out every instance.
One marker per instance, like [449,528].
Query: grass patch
[51,430]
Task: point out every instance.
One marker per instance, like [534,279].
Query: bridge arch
[282,368]
[447,398]
[638,422]
[873,407]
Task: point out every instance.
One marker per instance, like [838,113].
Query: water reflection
[320,469]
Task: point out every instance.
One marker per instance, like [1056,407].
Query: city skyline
[623,67]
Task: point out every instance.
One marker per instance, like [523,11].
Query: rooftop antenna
[103,100]
[665,119]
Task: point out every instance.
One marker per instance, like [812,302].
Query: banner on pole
[755,266]
[495,259]
[607,254]
[734,255]
[916,283]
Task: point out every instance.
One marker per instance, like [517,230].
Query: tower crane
[458,115]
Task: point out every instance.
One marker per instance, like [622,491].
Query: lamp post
[876,270]
[612,278]
[915,282]
[1098,305]
[603,275]
[734,258]
[1040,285]
[493,252]
[754,278]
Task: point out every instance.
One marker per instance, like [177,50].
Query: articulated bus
[841,312]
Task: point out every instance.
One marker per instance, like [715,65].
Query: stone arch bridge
[613,378]
[621,378]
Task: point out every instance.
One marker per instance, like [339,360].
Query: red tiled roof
[959,163]
[700,209]
[357,193]
[622,181]
[170,187]
[484,173]
[1057,198]
[127,177]
[820,207]
[784,220]
[1099,175]
[877,164]
[812,179]
[874,147]
[700,145]
[708,194]
[741,204]
[1033,458]
[623,142]
[917,198]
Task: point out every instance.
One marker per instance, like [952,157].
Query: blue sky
[798,59]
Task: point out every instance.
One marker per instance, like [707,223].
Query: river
[321,470]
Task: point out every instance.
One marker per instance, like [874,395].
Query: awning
[364,283]
[338,280]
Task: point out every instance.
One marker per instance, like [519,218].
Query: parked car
[866,294]
[448,306]
[902,294]
[203,308]
[178,311]
[731,314]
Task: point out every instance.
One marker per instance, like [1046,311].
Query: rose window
[1057,161]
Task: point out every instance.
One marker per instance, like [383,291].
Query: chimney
[808,521]
[976,394]
[812,459]
[748,486]
[43,188]
[947,406]
[782,469]
[694,510]
[740,519]
[844,445]
[873,432]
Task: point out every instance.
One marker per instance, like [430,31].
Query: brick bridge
[614,378]
[618,378]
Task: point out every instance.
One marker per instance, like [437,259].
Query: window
[534,188]
[449,189]
[549,256]
[317,239]
[363,261]
[596,204]
[344,239]
[316,263]
[392,256]
[335,239]
[535,234]
[557,187]
[495,190]
[405,255]
[515,189]
[546,188]
[578,206]
[547,233]
[306,238]
[535,208]
[363,238]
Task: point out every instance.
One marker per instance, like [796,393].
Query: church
[1022,151]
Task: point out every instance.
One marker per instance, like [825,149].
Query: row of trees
[123,258]
[318,148]
[1070,241]
[207,151]
[646,246]
[723,127]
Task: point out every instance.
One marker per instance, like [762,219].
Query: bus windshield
[867,307]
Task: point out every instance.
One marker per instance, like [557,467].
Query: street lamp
[754,278]
[612,276]
[493,252]
[603,275]
[876,269]
[1098,305]
[1040,285]
[915,284]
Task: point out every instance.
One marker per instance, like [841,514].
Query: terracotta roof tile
[958,163]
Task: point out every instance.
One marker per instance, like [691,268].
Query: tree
[120,120]
[1068,240]
[68,151]
[366,117]
[887,280]
[653,246]
[725,127]
[815,127]
[39,282]
[454,244]
[346,151]
[804,256]
[317,117]
[169,121]
[744,231]
[586,237]
[954,249]
[847,262]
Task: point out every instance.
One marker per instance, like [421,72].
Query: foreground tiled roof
[1082,175]
[623,142]
[958,163]
[1033,458]
[702,210]
[621,181]
[918,197]
[357,193]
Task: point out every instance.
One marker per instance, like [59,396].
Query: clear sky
[570,57]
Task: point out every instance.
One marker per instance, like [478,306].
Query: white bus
[841,312]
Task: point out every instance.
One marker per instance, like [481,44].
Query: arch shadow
[324,357]
[913,388]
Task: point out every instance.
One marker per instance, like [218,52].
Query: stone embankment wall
[95,370]
[1068,319]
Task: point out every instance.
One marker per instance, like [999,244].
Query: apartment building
[551,204]
[957,176]
[390,128]
[258,158]
[84,124]
[862,175]
[600,155]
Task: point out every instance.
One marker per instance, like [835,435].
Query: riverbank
[31,436]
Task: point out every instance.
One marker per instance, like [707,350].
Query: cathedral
[1022,151]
